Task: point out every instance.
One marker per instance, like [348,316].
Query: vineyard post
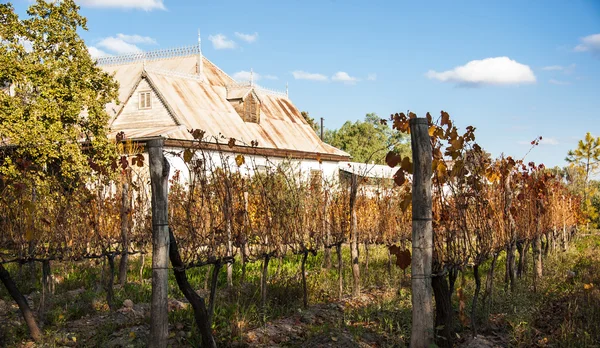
[422,235]
[159,176]
[125,208]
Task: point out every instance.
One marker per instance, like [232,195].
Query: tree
[369,140]
[56,95]
[53,121]
[311,121]
[586,157]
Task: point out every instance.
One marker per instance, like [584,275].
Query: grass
[560,314]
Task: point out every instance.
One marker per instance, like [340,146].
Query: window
[145,100]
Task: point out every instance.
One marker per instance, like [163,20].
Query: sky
[514,70]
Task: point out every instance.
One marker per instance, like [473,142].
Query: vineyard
[485,211]
[149,199]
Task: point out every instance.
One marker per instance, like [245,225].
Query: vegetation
[69,203]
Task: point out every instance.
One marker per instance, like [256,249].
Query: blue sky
[513,69]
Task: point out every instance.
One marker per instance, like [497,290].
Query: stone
[128,303]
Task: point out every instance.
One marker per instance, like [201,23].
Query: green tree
[369,140]
[311,121]
[53,122]
[586,159]
[53,110]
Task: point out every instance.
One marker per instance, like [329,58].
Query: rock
[175,305]
[128,303]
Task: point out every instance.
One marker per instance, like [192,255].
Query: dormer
[246,102]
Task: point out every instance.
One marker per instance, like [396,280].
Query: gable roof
[201,102]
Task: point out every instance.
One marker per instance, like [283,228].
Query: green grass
[560,314]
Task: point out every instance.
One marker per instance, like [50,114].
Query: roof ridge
[182,51]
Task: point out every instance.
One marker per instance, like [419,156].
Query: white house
[166,93]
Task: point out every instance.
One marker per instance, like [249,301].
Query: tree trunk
[304,288]
[263,281]
[159,180]
[547,244]
[511,269]
[327,251]
[475,299]
[243,261]
[422,235]
[46,274]
[27,313]
[327,258]
[354,238]
[537,262]
[124,234]
[489,284]
[389,265]
[207,276]
[338,248]
[142,261]
[196,301]
[213,291]
[110,296]
[443,311]
[366,260]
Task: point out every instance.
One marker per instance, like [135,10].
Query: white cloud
[553,67]
[589,43]
[488,71]
[123,44]
[136,39]
[146,5]
[246,75]
[249,38]
[343,76]
[118,46]
[558,82]
[372,77]
[303,75]
[549,141]
[96,53]
[221,42]
[565,69]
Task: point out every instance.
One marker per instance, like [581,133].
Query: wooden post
[354,237]
[125,208]
[159,176]
[422,235]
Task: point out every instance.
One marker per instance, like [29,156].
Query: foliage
[52,109]
[586,160]
[311,122]
[369,140]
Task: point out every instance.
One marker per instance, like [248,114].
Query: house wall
[329,169]
[132,117]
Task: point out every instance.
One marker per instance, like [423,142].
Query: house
[167,93]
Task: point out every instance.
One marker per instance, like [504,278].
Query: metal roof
[200,102]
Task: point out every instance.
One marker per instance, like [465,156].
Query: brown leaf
[399,177]
[403,259]
[407,165]
[392,159]
[231,142]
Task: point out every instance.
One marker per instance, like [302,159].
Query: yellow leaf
[187,155]
[239,160]
[432,130]
[132,334]
[588,286]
